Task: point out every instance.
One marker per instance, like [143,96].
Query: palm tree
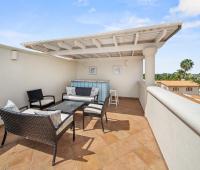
[186,65]
[180,74]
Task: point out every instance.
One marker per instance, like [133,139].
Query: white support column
[149,54]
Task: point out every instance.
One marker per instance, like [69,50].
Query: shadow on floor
[67,149]
[111,125]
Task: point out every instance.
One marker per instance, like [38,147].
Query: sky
[32,20]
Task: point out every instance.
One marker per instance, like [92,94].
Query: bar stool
[114,98]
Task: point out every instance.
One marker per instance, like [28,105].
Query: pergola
[142,42]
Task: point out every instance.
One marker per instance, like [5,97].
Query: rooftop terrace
[147,115]
[127,144]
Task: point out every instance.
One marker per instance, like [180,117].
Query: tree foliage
[181,73]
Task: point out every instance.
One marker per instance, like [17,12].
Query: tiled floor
[127,144]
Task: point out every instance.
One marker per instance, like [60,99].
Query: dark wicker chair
[96,110]
[34,127]
[38,100]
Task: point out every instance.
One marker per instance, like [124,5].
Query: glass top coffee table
[67,106]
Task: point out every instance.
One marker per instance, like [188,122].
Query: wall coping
[184,109]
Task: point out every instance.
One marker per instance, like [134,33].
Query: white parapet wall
[175,122]
[142,93]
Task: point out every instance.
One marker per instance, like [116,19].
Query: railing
[175,122]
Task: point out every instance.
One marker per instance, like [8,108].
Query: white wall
[142,93]
[182,90]
[175,123]
[32,71]
[126,83]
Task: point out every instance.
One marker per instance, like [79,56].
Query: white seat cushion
[98,106]
[79,98]
[92,110]
[62,116]
[55,116]
[30,111]
[43,102]
[66,123]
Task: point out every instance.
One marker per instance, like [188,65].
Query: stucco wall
[126,82]
[175,123]
[32,71]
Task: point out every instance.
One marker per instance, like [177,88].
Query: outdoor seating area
[95,105]
[127,143]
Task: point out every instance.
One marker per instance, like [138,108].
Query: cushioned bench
[85,94]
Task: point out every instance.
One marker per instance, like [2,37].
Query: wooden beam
[64,45]
[79,44]
[136,41]
[136,38]
[115,41]
[105,49]
[164,33]
[116,45]
[96,42]
[51,47]
[108,55]
[96,55]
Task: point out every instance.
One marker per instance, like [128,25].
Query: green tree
[186,65]
[180,74]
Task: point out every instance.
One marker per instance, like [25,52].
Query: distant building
[180,87]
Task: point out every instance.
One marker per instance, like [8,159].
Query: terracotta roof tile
[178,83]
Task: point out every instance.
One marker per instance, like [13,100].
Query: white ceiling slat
[96,42]
[79,44]
[116,45]
[136,41]
[115,41]
[136,38]
[104,49]
[64,45]
[51,47]
[164,33]
[110,44]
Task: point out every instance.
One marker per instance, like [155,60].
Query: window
[189,89]
[175,89]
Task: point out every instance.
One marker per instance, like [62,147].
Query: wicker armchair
[35,127]
[96,110]
[38,100]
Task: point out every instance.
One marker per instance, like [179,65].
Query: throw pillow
[71,91]
[10,105]
[94,91]
[55,116]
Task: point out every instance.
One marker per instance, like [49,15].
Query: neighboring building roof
[127,42]
[178,83]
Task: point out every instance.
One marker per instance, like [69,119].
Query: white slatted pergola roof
[128,42]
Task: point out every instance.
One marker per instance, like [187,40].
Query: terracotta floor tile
[127,144]
[158,164]
[133,162]
[116,165]
[109,138]
[146,155]
[20,160]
